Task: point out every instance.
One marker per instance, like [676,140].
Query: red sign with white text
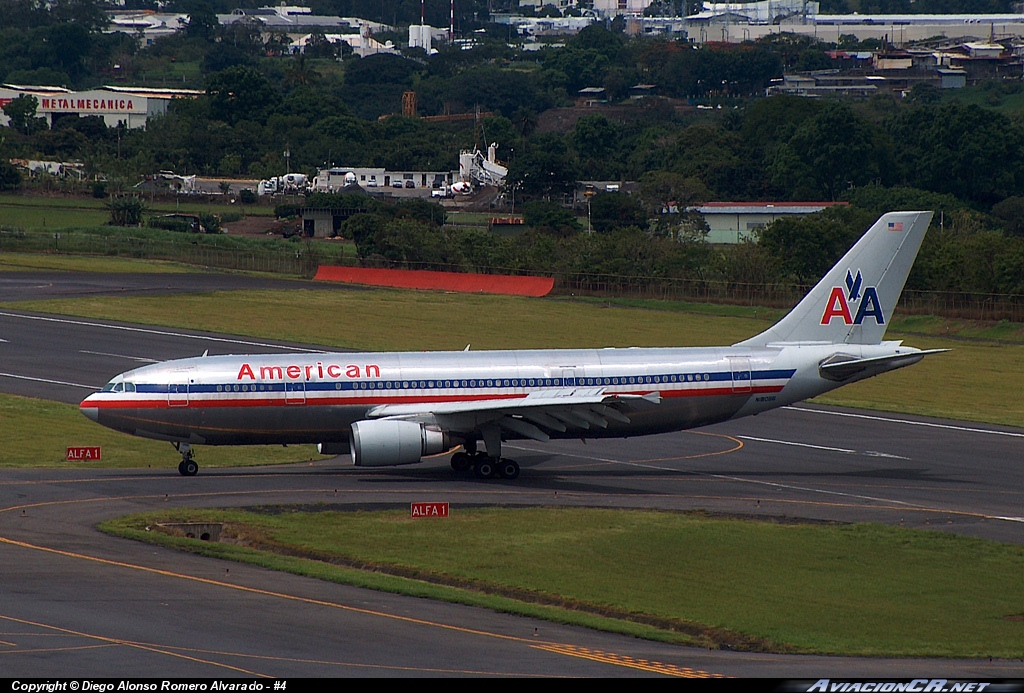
[83,454]
[428,510]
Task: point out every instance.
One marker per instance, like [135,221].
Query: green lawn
[35,212]
[978,381]
[36,433]
[854,590]
[25,262]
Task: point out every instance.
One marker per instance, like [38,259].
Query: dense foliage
[707,134]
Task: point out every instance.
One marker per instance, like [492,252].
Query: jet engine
[389,442]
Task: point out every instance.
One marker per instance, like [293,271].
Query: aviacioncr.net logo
[840,303]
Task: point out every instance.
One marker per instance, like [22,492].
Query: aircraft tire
[484,468]
[509,469]
[189,467]
[461,462]
[181,468]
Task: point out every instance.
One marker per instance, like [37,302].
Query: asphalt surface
[76,602]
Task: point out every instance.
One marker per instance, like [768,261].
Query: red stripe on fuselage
[197,401]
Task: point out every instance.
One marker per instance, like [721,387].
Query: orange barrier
[444,281]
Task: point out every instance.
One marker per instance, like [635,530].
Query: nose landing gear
[188,465]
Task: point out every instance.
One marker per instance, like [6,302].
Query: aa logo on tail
[840,302]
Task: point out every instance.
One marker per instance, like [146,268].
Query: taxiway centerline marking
[47,380]
[119,356]
[128,643]
[950,427]
[163,333]
[266,593]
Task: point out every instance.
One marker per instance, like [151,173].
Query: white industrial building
[338,178]
[361,45]
[130,106]
[733,222]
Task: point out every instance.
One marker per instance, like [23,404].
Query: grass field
[861,589]
[34,212]
[26,262]
[979,380]
[36,433]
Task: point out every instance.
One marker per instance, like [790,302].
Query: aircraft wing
[556,410]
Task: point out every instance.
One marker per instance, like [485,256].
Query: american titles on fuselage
[297,372]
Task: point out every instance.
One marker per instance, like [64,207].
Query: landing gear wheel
[189,468]
[484,468]
[509,469]
[181,468]
[461,462]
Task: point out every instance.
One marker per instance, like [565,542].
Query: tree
[126,211]
[544,167]
[658,188]
[22,112]
[1011,212]
[10,177]
[805,248]
[550,218]
[835,149]
[609,211]
[967,151]
[240,93]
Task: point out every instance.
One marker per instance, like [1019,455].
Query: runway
[76,602]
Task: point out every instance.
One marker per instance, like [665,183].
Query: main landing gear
[187,466]
[484,466]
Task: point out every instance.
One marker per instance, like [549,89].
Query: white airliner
[395,408]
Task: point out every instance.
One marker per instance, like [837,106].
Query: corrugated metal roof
[765,207]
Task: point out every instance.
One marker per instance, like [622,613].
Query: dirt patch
[251,226]
[264,226]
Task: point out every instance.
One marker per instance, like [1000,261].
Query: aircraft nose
[89,409]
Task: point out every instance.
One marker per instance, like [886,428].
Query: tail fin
[853,303]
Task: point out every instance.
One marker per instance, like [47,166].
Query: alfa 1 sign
[83,454]
[428,510]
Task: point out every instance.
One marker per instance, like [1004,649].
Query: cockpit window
[119,387]
[109,387]
[129,387]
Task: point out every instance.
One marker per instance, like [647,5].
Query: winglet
[853,303]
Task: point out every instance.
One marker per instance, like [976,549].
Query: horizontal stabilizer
[841,367]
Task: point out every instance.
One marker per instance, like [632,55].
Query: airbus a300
[396,408]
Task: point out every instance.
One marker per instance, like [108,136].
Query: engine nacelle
[388,442]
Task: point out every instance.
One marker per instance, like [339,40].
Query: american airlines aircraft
[395,408]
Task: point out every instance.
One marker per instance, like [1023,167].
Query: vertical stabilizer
[853,303]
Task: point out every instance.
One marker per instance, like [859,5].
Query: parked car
[396,184]
[410,184]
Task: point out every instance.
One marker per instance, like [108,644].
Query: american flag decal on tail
[895,225]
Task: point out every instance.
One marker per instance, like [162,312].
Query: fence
[303,259]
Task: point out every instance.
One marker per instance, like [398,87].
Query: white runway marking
[799,445]
[869,453]
[165,333]
[47,380]
[119,356]
[772,484]
[950,427]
